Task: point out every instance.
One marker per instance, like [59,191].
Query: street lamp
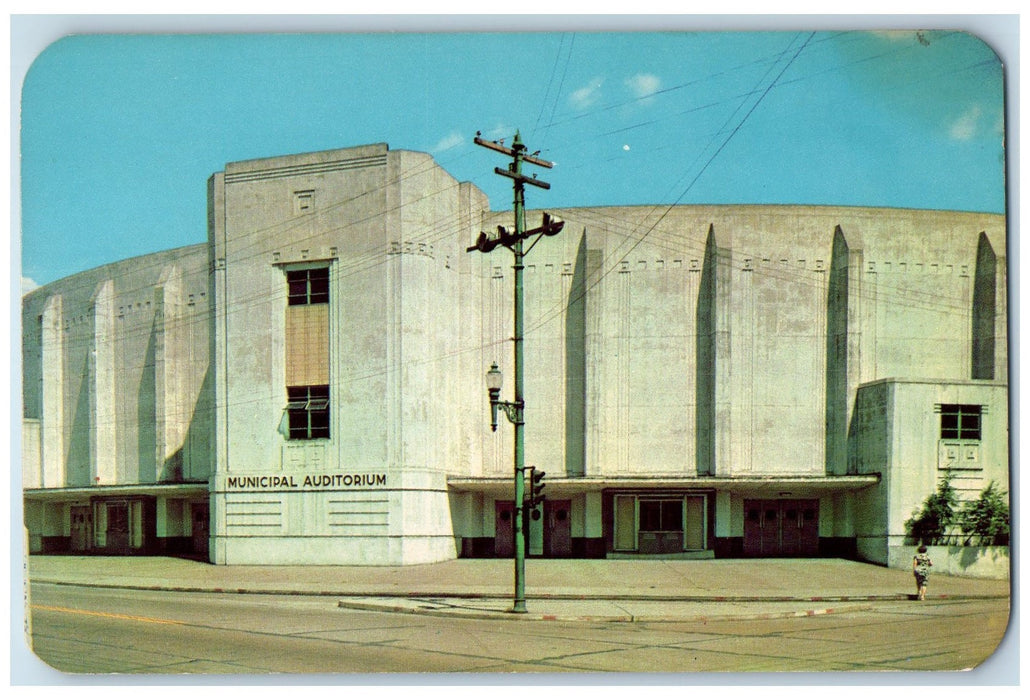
[494,381]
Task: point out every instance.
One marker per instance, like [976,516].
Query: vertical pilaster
[575,362]
[102,389]
[837,356]
[594,343]
[723,353]
[843,347]
[169,373]
[394,303]
[984,311]
[714,352]
[52,443]
[623,332]
[218,350]
[1001,336]
[856,277]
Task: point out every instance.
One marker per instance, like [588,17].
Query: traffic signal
[552,225]
[536,487]
[484,244]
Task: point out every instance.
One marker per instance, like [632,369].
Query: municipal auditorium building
[308,386]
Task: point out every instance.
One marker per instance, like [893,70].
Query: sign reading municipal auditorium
[293,481]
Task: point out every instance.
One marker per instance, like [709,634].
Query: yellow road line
[134,618]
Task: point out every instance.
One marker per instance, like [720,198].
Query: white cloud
[501,131]
[447,142]
[28,284]
[965,127]
[587,95]
[644,84]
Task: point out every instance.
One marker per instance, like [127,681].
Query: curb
[466,595]
[445,611]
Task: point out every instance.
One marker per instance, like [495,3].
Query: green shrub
[987,518]
[932,523]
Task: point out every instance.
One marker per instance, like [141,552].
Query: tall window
[310,286]
[306,331]
[308,410]
[960,421]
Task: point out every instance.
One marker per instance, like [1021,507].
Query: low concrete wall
[978,562]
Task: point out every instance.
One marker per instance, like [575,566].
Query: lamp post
[514,410]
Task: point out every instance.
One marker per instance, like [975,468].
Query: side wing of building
[117,406]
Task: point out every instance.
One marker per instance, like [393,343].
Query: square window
[309,286]
[307,408]
[960,421]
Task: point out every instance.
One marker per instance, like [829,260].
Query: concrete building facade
[308,387]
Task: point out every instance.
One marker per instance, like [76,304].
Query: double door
[554,520]
[659,523]
[781,528]
[82,528]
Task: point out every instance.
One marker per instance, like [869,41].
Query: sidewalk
[556,589]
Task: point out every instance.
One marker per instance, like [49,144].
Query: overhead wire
[634,241]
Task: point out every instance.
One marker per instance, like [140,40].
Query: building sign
[308,481]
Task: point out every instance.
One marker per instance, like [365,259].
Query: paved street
[80,629]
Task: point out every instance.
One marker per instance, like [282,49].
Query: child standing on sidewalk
[921,569]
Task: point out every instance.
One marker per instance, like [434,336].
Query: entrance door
[625,523]
[118,527]
[660,525]
[558,529]
[694,528]
[504,529]
[790,528]
[82,528]
[781,528]
[808,511]
[200,518]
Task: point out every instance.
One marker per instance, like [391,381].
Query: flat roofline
[327,155]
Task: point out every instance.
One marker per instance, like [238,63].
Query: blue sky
[121,132]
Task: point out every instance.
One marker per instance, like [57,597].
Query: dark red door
[82,528]
[808,511]
[557,529]
[781,528]
[200,518]
[752,528]
[790,529]
[504,529]
[118,528]
[770,528]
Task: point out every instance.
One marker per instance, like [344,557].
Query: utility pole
[515,410]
